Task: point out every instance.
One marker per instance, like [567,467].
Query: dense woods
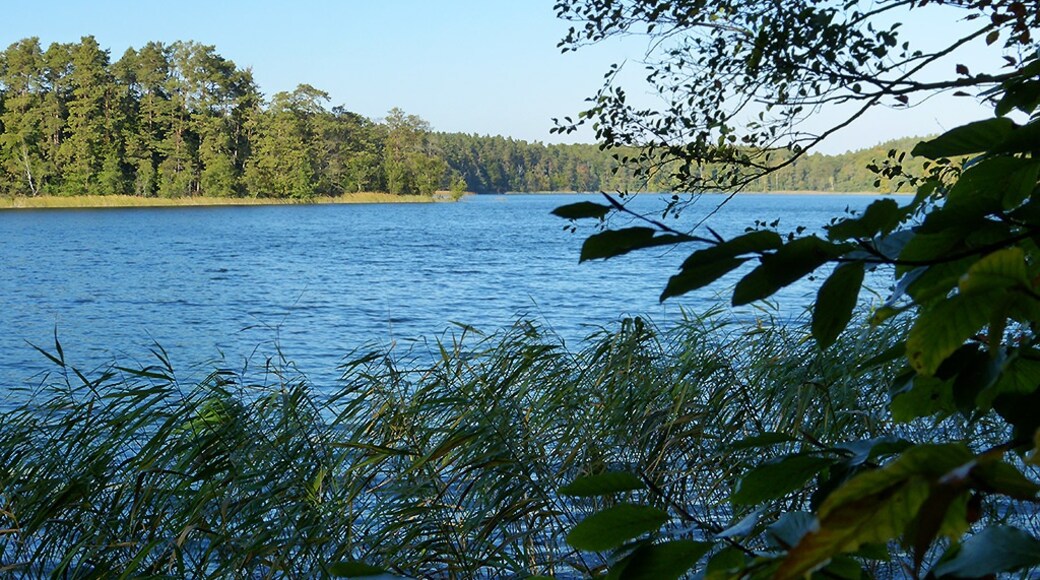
[175,120]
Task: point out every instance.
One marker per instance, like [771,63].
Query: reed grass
[103,201]
[430,468]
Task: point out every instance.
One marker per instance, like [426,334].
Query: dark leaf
[880,217]
[581,210]
[774,480]
[835,302]
[614,526]
[666,560]
[970,138]
[355,570]
[699,275]
[602,484]
[617,242]
[786,266]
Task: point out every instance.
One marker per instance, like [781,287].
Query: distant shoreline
[793,192]
[125,201]
[129,201]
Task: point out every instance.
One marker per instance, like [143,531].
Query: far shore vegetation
[178,120]
[101,201]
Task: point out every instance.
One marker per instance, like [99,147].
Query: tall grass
[442,468]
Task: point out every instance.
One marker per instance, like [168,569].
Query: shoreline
[130,201]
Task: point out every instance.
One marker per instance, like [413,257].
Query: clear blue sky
[476,66]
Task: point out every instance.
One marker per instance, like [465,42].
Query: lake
[313,283]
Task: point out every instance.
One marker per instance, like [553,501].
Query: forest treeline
[178,119]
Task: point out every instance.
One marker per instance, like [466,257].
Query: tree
[408,163]
[965,253]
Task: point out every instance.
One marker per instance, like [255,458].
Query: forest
[177,120]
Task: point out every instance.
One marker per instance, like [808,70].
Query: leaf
[990,186]
[835,302]
[786,266]
[874,506]
[581,210]
[1001,477]
[354,569]
[762,440]
[992,551]
[1022,139]
[880,217]
[745,526]
[790,528]
[699,276]
[871,519]
[709,264]
[999,270]
[613,243]
[614,526]
[666,560]
[943,329]
[775,480]
[602,484]
[970,138]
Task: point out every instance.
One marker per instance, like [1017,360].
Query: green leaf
[994,550]
[699,276]
[922,397]
[943,329]
[581,210]
[992,185]
[1002,269]
[613,243]
[725,564]
[749,243]
[835,302]
[666,560]
[1003,478]
[874,518]
[602,484]
[354,569]
[709,264]
[767,439]
[1023,139]
[614,526]
[880,217]
[970,138]
[775,480]
[786,266]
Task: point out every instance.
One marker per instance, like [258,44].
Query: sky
[473,66]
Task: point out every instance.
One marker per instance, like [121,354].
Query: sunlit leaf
[943,329]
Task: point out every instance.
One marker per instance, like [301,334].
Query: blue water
[313,283]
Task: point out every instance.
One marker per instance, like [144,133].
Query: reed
[442,466]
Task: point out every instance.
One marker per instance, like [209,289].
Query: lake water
[316,282]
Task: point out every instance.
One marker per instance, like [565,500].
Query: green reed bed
[449,468]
